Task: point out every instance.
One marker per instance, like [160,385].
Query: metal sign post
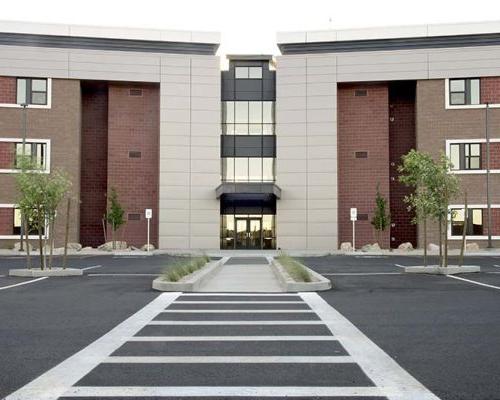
[354,218]
[149,215]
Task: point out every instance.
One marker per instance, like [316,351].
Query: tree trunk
[40,243]
[66,235]
[440,241]
[113,233]
[464,232]
[27,241]
[445,264]
[51,242]
[425,242]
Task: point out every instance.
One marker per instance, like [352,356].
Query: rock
[87,248]
[432,247]
[17,246]
[407,246]
[108,246]
[145,247]
[74,246]
[370,247]
[472,246]
[346,246]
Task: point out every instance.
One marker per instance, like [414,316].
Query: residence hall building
[269,152]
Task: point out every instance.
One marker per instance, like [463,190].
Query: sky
[249,26]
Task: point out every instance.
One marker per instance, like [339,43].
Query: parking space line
[376,364]
[362,273]
[225,391]
[401,266]
[474,282]
[239,302]
[123,274]
[498,266]
[230,338]
[55,382]
[229,360]
[24,283]
[209,311]
[294,322]
[92,267]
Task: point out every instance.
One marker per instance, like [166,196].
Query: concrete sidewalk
[244,274]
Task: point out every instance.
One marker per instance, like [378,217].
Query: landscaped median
[188,275]
[296,277]
[437,270]
[37,272]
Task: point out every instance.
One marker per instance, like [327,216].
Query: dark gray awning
[248,187]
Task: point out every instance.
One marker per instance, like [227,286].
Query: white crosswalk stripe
[132,345]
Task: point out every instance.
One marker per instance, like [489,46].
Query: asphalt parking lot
[443,331]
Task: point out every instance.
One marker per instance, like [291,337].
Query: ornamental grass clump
[295,269]
[184,267]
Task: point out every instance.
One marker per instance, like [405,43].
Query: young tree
[381,218]
[39,196]
[115,214]
[416,172]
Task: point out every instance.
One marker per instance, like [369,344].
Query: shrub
[184,267]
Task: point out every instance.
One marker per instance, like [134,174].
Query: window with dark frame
[474,222]
[465,156]
[248,117]
[248,169]
[248,72]
[37,153]
[464,91]
[32,91]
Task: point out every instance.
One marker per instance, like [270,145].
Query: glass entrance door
[248,233]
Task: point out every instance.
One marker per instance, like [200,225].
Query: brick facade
[8,88]
[6,221]
[401,141]
[363,125]
[7,156]
[490,90]
[94,162]
[133,126]
[435,125]
[60,124]
[494,155]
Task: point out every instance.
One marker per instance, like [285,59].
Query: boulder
[17,246]
[108,246]
[407,246]
[472,246]
[74,246]
[432,247]
[145,247]
[370,247]
[87,248]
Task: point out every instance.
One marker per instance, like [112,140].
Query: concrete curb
[290,285]
[449,270]
[36,272]
[191,282]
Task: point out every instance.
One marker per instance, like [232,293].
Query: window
[248,72]
[465,156]
[16,230]
[35,152]
[474,222]
[464,91]
[248,117]
[247,169]
[31,91]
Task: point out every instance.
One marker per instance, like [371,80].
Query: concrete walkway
[244,274]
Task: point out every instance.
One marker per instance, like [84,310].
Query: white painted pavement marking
[104,274]
[474,282]
[210,311]
[401,266]
[24,283]
[229,360]
[376,364]
[55,382]
[239,294]
[227,391]
[295,322]
[239,302]
[92,267]
[498,266]
[362,273]
[230,338]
